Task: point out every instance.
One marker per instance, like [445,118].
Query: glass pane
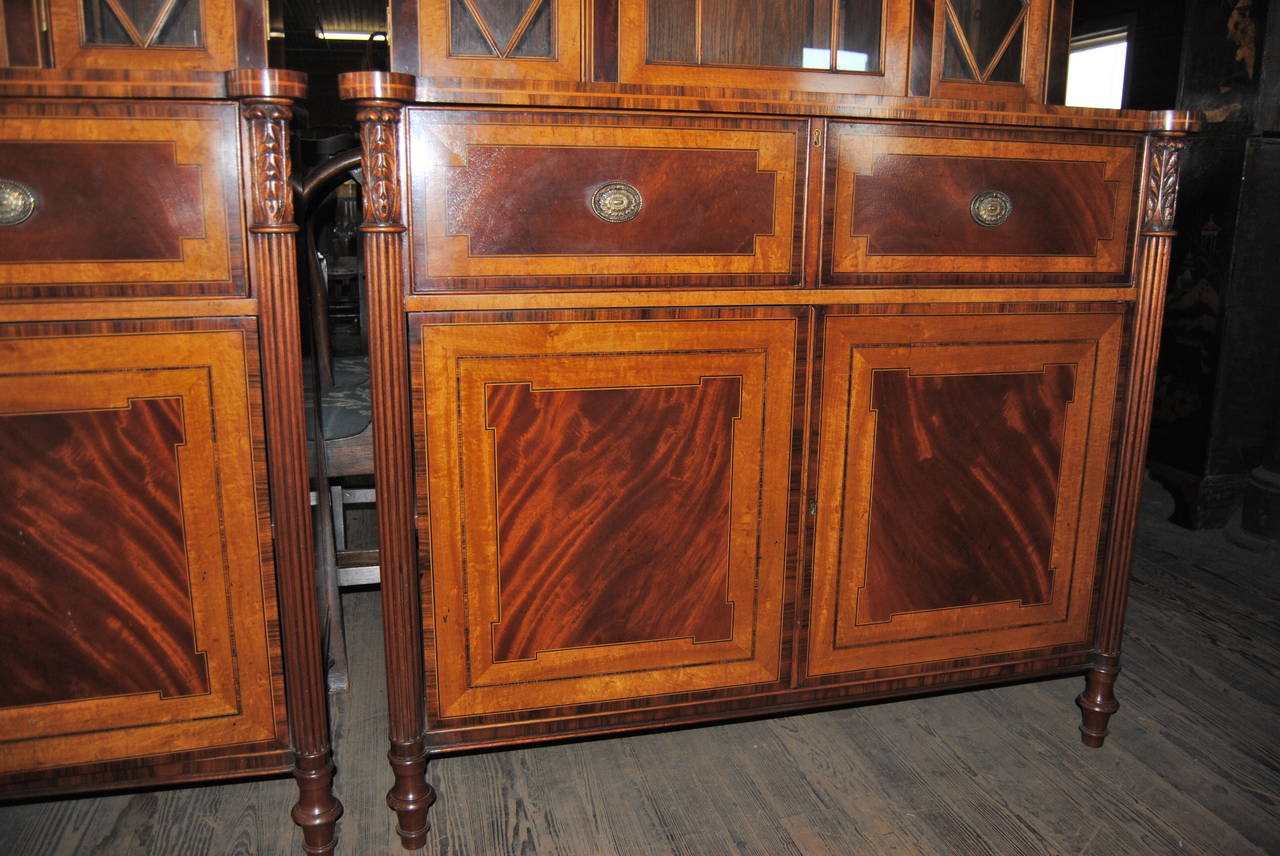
[860,23]
[672,31]
[142,13]
[1009,68]
[984,24]
[502,17]
[101,26]
[183,26]
[536,40]
[465,38]
[954,64]
[778,33]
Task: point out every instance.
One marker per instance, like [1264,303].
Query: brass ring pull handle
[616,202]
[991,208]
[17,202]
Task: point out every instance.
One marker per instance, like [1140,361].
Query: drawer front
[961,477]
[135,572]
[945,204]
[514,200]
[119,200]
[605,498]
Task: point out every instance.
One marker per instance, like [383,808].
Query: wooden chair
[340,445]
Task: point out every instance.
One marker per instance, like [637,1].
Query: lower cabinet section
[139,641]
[632,516]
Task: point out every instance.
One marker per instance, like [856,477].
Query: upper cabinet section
[142,35]
[984,50]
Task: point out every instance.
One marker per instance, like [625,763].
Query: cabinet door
[855,46]
[511,39]
[604,498]
[998,50]
[177,35]
[136,582]
[960,484]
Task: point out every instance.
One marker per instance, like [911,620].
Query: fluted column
[266,97]
[379,102]
[1160,193]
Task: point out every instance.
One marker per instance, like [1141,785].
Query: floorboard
[1192,764]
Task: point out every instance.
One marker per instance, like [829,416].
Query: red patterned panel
[995,442]
[518,200]
[102,201]
[613,514]
[93,569]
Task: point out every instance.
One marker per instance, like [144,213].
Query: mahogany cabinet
[724,362]
[157,591]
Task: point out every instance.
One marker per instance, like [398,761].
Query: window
[1096,69]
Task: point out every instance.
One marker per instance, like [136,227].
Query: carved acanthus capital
[1162,183]
[269,149]
[379,138]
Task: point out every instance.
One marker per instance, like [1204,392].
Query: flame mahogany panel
[125,522]
[128,201]
[519,201]
[503,200]
[995,442]
[133,199]
[138,575]
[605,501]
[1073,199]
[631,477]
[961,477]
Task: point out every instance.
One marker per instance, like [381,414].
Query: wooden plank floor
[1192,764]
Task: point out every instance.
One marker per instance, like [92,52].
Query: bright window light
[1095,72]
[347,35]
[845,60]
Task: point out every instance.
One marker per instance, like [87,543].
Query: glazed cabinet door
[127,35]
[604,500]
[817,45]
[960,476]
[514,39]
[136,582]
[999,50]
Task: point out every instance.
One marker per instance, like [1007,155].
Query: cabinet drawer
[119,199]
[948,204]
[516,200]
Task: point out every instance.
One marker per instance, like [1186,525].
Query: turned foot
[1097,703]
[411,796]
[317,810]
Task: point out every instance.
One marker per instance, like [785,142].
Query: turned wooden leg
[1097,703]
[411,796]
[317,811]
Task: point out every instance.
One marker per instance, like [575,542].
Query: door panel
[607,503]
[961,471]
[136,577]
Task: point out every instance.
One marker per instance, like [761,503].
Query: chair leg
[330,601]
